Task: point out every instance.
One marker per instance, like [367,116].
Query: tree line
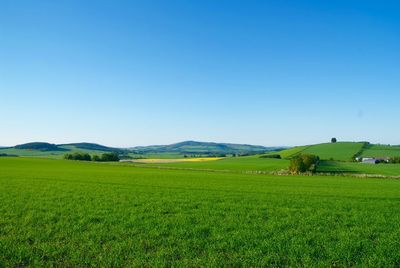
[106,157]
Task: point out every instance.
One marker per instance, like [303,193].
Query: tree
[78,156]
[303,163]
[297,165]
[333,140]
[310,162]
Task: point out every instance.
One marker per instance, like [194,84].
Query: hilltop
[40,146]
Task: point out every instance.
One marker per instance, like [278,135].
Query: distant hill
[39,146]
[44,149]
[196,147]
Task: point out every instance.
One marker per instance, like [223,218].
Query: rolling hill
[39,146]
[49,150]
[90,147]
[378,150]
[196,147]
[340,151]
[43,149]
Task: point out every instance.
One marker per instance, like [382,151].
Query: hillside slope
[377,150]
[40,146]
[340,151]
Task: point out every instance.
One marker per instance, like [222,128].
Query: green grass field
[247,163]
[359,168]
[288,153]
[375,150]
[342,151]
[76,214]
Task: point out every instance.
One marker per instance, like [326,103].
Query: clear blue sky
[125,73]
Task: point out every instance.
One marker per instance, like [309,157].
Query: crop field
[342,151]
[247,163]
[288,153]
[381,151]
[172,160]
[360,168]
[75,214]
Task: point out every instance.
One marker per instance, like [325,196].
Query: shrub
[395,160]
[304,163]
[297,165]
[333,140]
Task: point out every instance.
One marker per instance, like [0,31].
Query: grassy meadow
[77,214]
[376,150]
[341,151]
[359,168]
[247,163]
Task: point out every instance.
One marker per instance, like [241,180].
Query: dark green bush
[304,163]
[395,160]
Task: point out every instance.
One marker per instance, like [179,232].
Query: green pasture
[341,151]
[246,163]
[359,168]
[376,150]
[57,213]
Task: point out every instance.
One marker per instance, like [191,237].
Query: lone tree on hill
[333,140]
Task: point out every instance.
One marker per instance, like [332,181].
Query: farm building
[370,161]
[374,160]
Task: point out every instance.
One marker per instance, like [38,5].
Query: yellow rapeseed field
[159,161]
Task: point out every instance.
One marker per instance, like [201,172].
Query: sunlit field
[68,213]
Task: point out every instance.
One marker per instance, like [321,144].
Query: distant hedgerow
[78,156]
[276,156]
[106,157]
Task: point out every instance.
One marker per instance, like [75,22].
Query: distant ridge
[50,147]
[185,147]
[197,147]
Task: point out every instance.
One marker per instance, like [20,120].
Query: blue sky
[125,73]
